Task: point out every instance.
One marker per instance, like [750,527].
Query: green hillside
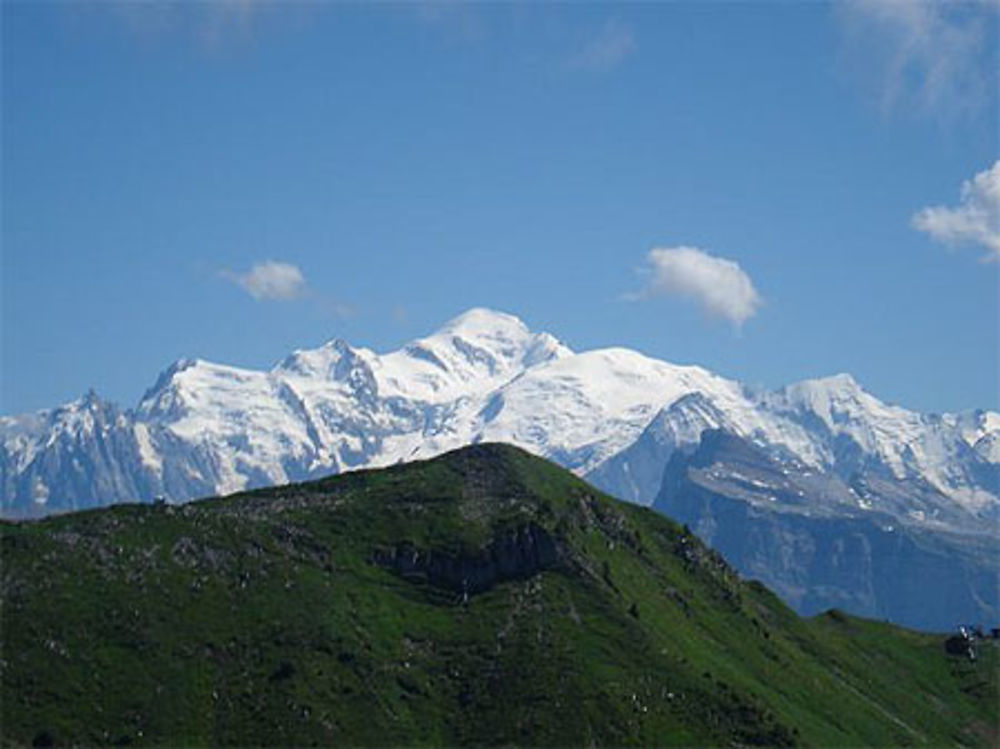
[484,597]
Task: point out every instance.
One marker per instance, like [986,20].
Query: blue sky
[411,161]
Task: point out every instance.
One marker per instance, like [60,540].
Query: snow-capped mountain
[807,475]
[612,415]
[832,426]
[821,541]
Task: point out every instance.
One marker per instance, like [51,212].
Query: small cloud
[719,286]
[976,218]
[270,280]
[934,56]
[607,50]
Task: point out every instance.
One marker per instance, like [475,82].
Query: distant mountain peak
[165,377]
[840,381]
[318,362]
[838,385]
[834,398]
[499,331]
[478,321]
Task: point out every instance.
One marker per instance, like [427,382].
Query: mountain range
[484,597]
[815,461]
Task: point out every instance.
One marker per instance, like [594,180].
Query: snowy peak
[682,422]
[87,413]
[165,378]
[493,341]
[318,363]
[840,406]
[477,351]
[473,353]
[696,407]
[486,324]
[823,396]
[191,383]
[852,428]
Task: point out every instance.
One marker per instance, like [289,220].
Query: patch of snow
[147,453]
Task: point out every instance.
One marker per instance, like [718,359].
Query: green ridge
[297,616]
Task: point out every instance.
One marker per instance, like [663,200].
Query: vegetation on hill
[483,597]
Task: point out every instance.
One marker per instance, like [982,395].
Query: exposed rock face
[834,554]
[514,554]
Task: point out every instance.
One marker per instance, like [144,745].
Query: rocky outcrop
[513,554]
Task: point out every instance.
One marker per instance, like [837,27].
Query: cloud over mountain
[719,286]
[270,280]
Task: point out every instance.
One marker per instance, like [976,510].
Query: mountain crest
[481,321]
[485,335]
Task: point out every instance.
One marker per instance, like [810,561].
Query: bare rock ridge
[514,554]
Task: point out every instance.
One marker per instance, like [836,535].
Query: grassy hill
[484,597]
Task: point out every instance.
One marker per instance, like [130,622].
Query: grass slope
[276,617]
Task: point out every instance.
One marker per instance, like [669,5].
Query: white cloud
[718,285]
[608,49]
[932,55]
[976,218]
[270,280]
